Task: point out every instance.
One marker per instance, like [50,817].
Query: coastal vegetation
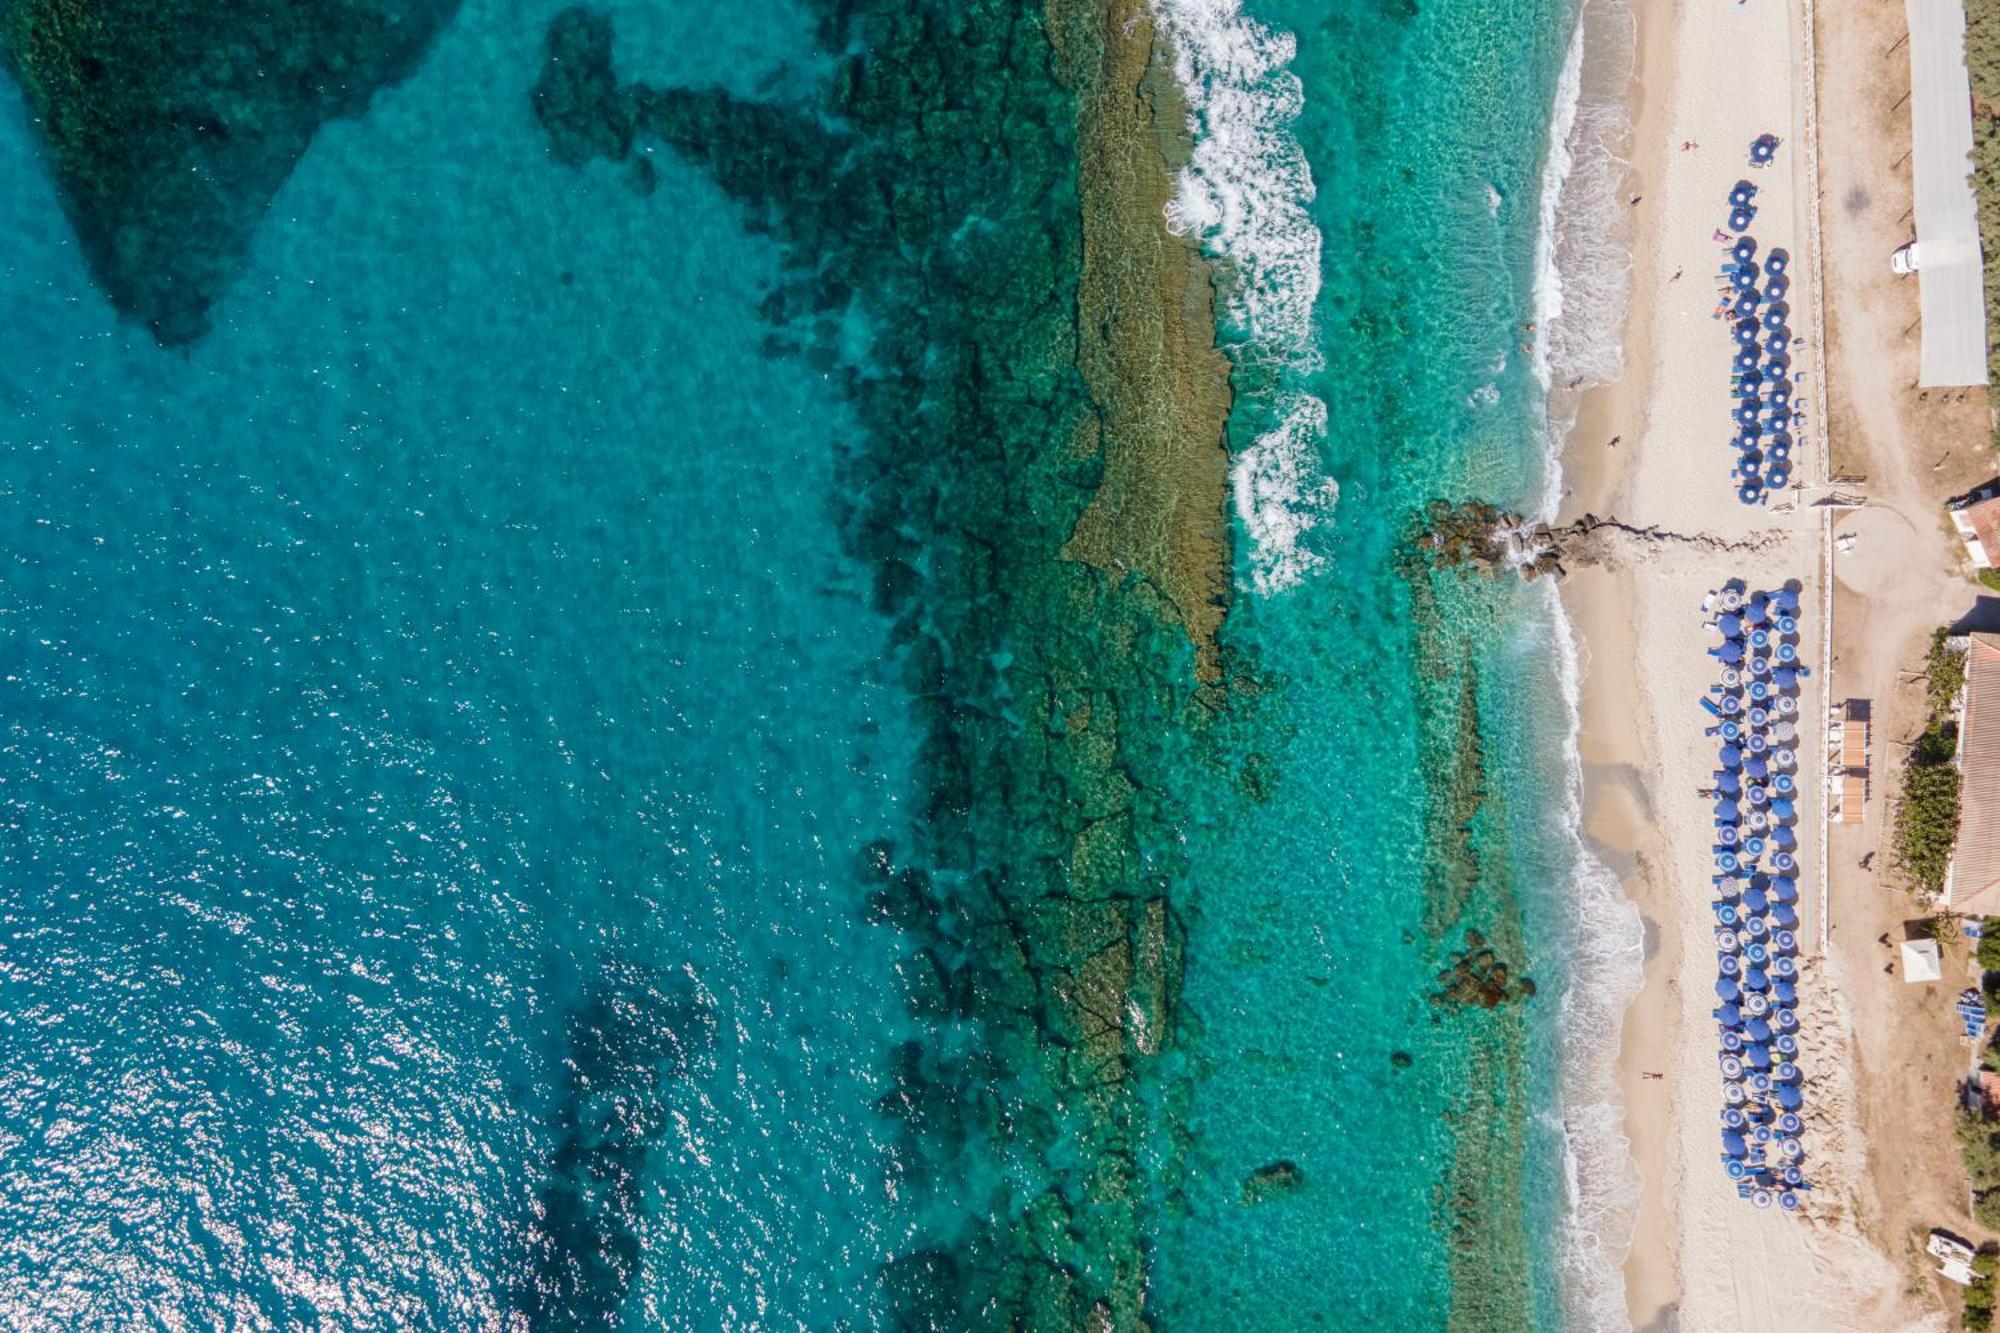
[1926,827]
[1979,1143]
[1979,1296]
[1982,61]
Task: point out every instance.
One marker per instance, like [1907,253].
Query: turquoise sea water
[443,728]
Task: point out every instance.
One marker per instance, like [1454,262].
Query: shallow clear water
[439,711]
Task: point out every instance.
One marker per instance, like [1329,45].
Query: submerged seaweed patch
[170,124]
[630,1044]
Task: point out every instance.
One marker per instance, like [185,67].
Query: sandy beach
[1878,1062]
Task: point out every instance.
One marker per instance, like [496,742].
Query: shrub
[1979,1296]
[1990,578]
[1927,820]
[1944,671]
[1989,944]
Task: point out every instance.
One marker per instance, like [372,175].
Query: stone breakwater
[1040,489]
[1482,537]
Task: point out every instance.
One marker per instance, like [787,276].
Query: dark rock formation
[630,1045]
[1272,1180]
[170,124]
[1478,977]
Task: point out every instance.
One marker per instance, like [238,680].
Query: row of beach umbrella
[1754,705]
[1760,375]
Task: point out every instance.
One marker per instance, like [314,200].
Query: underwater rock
[1478,977]
[169,125]
[637,1035]
[1401,1059]
[1271,1180]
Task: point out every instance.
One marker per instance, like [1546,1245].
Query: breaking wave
[1244,195]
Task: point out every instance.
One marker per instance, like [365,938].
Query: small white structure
[1954,1256]
[1922,961]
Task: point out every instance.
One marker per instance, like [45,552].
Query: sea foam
[1583,263]
[1244,195]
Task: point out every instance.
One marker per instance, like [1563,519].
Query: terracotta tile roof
[1984,520]
[1975,871]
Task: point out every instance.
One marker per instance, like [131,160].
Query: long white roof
[1953,285]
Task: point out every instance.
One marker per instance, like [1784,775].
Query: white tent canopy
[1921,961]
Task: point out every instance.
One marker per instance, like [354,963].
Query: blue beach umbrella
[1757,953]
[1785,1044]
[1740,194]
[1787,994]
[1746,331]
[1732,1143]
[1776,289]
[1781,391]
[1753,900]
[1746,246]
[1750,492]
[1727,966]
[1778,479]
[1755,768]
[1730,625]
[1746,411]
[1728,1015]
[1777,261]
[1729,757]
[1784,837]
[1784,941]
[1783,809]
[1725,989]
[1787,600]
[1727,811]
[1725,834]
[1746,358]
[1778,341]
[1757,1030]
[1784,915]
[1746,305]
[1784,888]
[1741,218]
[1775,317]
[1726,783]
[1753,848]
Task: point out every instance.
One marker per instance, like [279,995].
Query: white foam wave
[1583,263]
[1280,495]
[1244,195]
[1607,968]
[1583,256]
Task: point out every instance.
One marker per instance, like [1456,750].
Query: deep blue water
[461,619]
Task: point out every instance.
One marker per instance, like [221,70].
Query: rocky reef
[1272,1180]
[1478,977]
[169,124]
[1039,488]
